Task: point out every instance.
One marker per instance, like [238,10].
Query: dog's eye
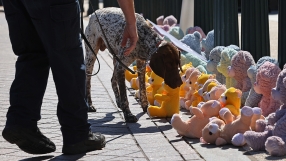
[210,133]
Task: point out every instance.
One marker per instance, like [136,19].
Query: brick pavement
[148,139]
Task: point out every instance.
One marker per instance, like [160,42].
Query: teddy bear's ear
[242,59]
[239,93]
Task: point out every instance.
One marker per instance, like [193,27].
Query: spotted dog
[164,57]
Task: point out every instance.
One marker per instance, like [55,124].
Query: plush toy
[253,98]
[232,131]
[175,31]
[160,20]
[190,87]
[272,139]
[191,30]
[193,41]
[134,82]
[170,20]
[208,43]
[222,67]
[215,92]
[231,99]
[206,88]
[196,97]
[214,59]
[192,128]
[197,62]
[187,69]
[266,80]
[238,70]
[129,75]
[169,105]
[155,82]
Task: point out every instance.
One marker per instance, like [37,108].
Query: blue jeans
[45,35]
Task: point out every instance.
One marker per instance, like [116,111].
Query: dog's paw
[130,118]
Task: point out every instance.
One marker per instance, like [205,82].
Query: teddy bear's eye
[152,80]
[209,95]
[210,133]
[184,76]
[225,97]
[212,59]
[190,82]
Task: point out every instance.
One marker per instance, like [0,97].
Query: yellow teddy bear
[231,99]
[169,105]
[129,75]
[155,82]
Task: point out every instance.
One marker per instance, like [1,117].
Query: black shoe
[91,109]
[32,142]
[95,141]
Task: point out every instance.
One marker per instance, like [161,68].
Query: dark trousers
[45,35]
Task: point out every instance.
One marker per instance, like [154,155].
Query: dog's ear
[165,64]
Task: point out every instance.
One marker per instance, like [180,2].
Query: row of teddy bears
[233,99]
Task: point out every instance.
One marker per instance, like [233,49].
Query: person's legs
[57,24]
[29,85]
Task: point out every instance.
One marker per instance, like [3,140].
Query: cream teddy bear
[192,128]
[273,138]
[196,98]
[187,69]
[266,80]
[240,63]
[232,131]
[215,92]
[207,87]
[222,67]
[190,84]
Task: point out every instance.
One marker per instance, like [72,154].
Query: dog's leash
[111,50]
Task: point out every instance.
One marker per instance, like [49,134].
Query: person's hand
[130,33]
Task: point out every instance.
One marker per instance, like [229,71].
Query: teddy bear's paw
[223,111]
[256,140]
[257,111]
[238,140]
[271,119]
[260,125]
[275,146]
[246,111]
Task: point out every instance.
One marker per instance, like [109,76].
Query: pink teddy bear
[266,80]
[240,63]
[272,137]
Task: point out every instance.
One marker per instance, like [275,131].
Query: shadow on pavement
[38,158]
